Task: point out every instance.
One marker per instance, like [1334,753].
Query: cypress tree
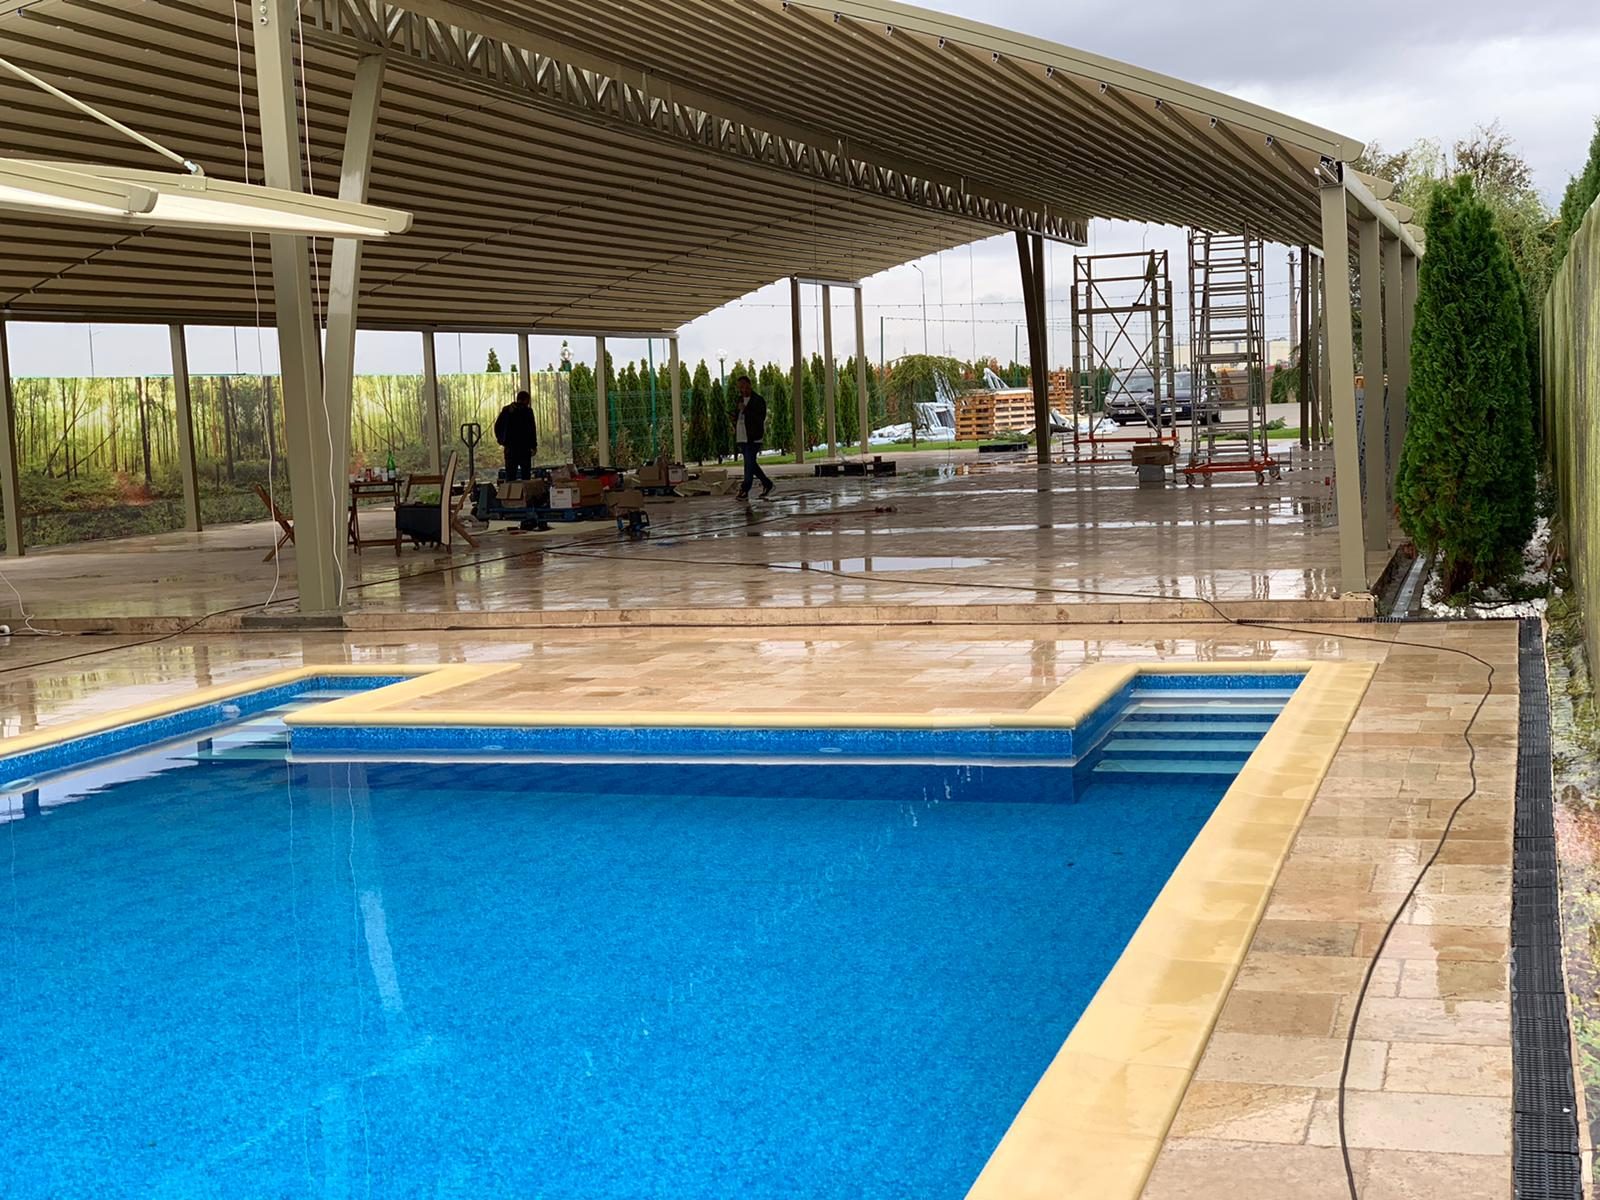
[697,440]
[848,405]
[816,422]
[1581,193]
[721,422]
[780,421]
[1466,482]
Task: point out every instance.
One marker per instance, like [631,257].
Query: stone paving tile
[1436,1123]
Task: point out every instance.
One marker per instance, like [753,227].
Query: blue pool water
[227,974]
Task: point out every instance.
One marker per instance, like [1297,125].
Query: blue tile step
[1210,746]
[1144,766]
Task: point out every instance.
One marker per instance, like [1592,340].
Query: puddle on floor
[884,562]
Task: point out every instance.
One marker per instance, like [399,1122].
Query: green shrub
[1468,470]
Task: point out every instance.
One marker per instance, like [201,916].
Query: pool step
[1145,766]
[1121,744]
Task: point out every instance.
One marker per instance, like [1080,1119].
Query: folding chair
[278,515]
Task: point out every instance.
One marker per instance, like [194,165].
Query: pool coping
[1101,1110]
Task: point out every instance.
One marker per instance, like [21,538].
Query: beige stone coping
[166,706]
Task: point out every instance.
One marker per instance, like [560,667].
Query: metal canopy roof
[586,166]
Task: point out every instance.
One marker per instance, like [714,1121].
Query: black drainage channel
[1545,1160]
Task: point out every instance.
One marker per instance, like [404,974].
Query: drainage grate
[1545,1163]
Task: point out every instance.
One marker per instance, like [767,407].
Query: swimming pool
[231,972]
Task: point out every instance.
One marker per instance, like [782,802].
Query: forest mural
[99,456]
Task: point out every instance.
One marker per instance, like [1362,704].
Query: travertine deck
[950,541]
[1430,1099]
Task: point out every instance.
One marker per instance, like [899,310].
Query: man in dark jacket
[749,428]
[516,430]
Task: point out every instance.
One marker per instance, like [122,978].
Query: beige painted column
[524,365]
[430,398]
[861,375]
[1396,354]
[674,369]
[181,402]
[1374,422]
[344,275]
[797,401]
[1342,388]
[317,492]
[829,375]
[602,406]
[10,477]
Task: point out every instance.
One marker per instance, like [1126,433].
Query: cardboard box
[1154,454]
[590,490]
[661,473]
[625,499]
[564,497]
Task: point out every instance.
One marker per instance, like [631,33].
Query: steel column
[10,478]
[316,491]
[1374,423]
[430,398]
[344,277]
[524,364]
[181,401]
[1342,390]
[602,405]
[1305,347]
[829,375]
[1396,355]
[674,367]
[797,401]
[1030,257]
[862,406]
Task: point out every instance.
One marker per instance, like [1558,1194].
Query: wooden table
[387,490]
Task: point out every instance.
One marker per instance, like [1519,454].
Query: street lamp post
[924,280]
[722,369]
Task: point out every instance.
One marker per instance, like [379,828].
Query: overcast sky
[1375,71]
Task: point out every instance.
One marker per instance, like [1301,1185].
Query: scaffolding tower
[1122,357]
[1228,360]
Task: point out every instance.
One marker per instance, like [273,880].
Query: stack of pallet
[981,415]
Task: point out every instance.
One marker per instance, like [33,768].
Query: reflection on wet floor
[1016,533]
[883,562]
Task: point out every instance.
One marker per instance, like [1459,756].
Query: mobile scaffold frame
[1122,325]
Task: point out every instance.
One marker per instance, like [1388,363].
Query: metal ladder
[1227,306]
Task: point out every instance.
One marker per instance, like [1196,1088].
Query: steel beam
[1374,420]
[1341,360]
[10,477]
[828,373]
[602,406]
[674,368]
[181,401]
[1397,355]
[316,493]
[430,398]
[797,401]
[344,276]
